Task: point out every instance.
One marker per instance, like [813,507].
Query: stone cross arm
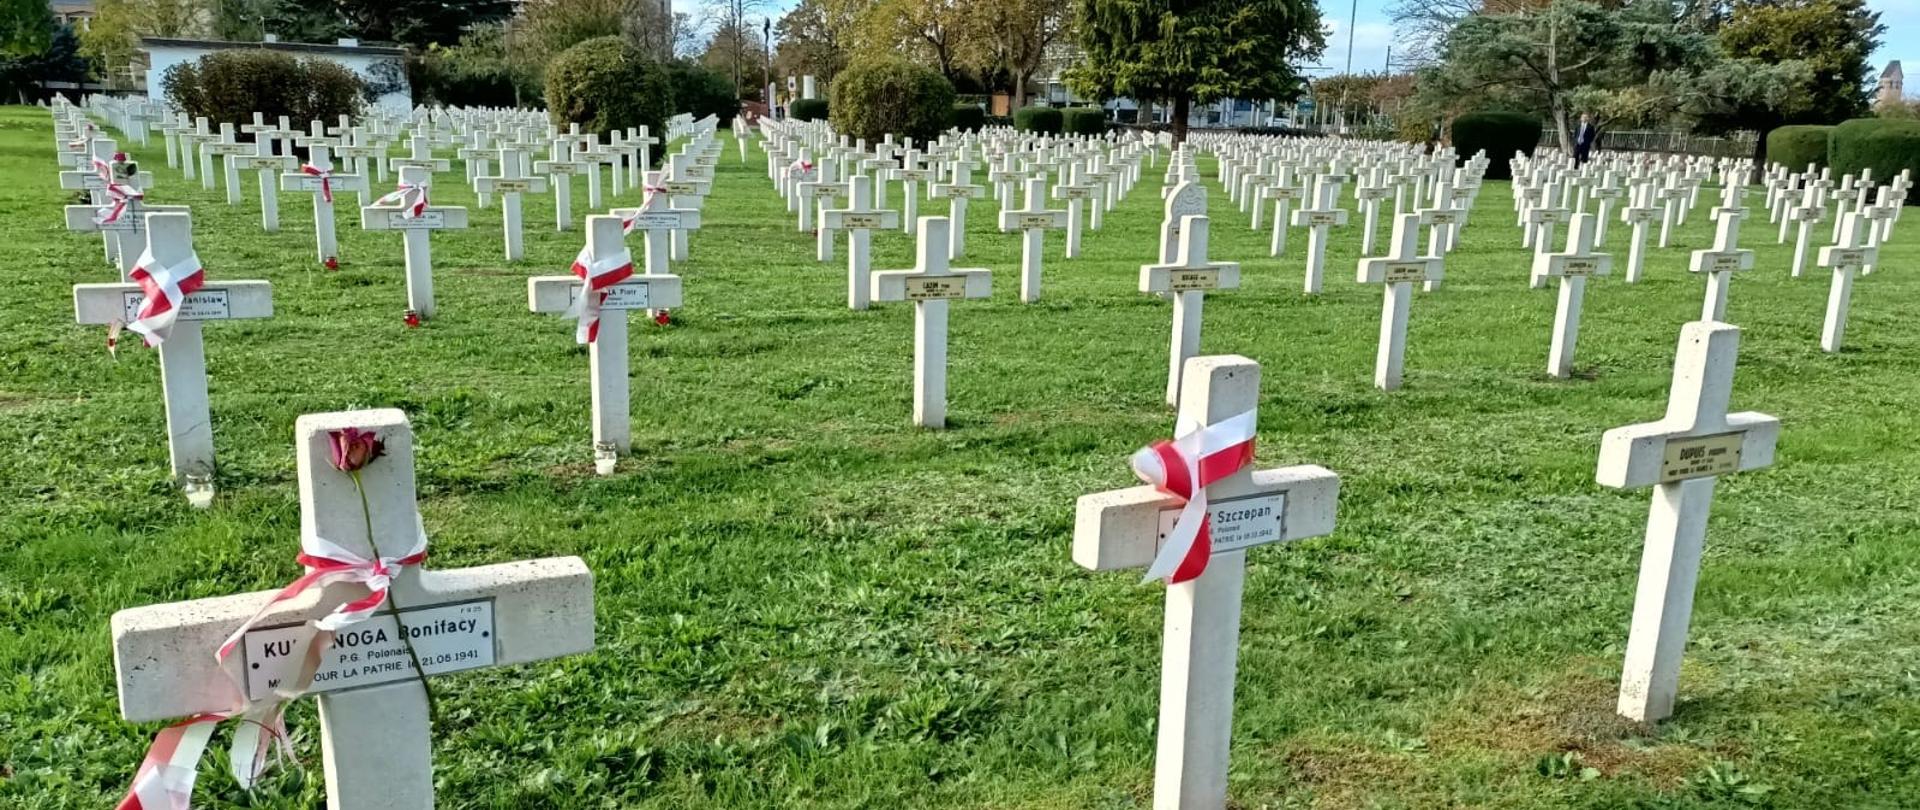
[390,218]
[552,294]
[509,185]
[1123,528]
[838,219]
[214,301]
[1661,452]
[163,654]
[915,285]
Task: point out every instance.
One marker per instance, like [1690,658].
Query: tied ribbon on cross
[80,144]
[165,290]
[326,182]
[1197,456]
[600,275]
[119,195]
[411,199]
[165,778]
[804,167]
[649,201]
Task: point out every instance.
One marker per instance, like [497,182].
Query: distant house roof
[148,43]
[1893,71]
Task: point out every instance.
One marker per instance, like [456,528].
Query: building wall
[161,57]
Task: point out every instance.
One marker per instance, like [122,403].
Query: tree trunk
[1759,156]
[1019,91]
[1560,129]
[1182,103]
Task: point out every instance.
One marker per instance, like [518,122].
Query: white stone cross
[269,166]
[662,224]
[1396,273]
[1370,192]
[1124,528]
[1854,252]
[1076,191]
[1032,222]
[420,156]
[1186,280]
[375,732]
[172,267]
[1185,199]
[911,175]
[958,192]
[1638,214]
[560,167]
[1721,261]
[510,184]
[1680,457]
[1542,220]
[1324,213]
[229,148]
[318,177]
[398,215]
[1572,267]
[816,195]
[1880,216]
[607,351]
[859,219]
[1284,190]
[930,285]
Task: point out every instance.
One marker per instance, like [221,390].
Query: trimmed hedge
[230,86]
[808,109]
[878,96]
[1499,133]
[1046,120]
[605,85]
[1795,147]
[1886,145]
[1083,121]
[969,117]
[700,92]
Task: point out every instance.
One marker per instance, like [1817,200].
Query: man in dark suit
[1583,139]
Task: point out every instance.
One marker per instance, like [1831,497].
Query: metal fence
[1739,144]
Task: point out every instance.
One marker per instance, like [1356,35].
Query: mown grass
[803,601]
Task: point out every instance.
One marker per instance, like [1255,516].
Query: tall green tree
[1187,51]
[1616,58]
[1833,37]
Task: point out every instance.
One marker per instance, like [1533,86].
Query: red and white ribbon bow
[119,195]
[166,290]
[801,167]
[326,180]
[166,775]
[599,274]
[80,144]
[650,200]
[412,199]
[1183,468]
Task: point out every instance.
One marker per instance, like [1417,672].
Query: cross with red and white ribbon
[119,195]
[165,778]
[1198,456]
[411,198]
[650,198]
[326,181]
[166,289]
[801,167]
[599,274]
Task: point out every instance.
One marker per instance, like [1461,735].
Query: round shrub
[808,109]
[230,86]
[1083,121]
[1887,146]
[607,85]
[969,117]
[1045,120]
[700,92]
[1795,147]
[1499,133]
[878,96]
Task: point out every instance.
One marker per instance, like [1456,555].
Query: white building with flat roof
[383,68]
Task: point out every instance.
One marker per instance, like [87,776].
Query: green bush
[230,86]
[1887,146]
[969,117]
[608,85]
[1045,120]
[701,92]
[1795,147]
[808,109]
[877,96]
[1083,121]
[1499,133]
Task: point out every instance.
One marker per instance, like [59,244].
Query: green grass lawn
[803,601]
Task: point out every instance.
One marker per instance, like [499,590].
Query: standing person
[1583,140]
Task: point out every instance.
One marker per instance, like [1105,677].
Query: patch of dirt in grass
[1573,713]
[1343,776]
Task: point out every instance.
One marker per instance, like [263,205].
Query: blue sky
[1372,33]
